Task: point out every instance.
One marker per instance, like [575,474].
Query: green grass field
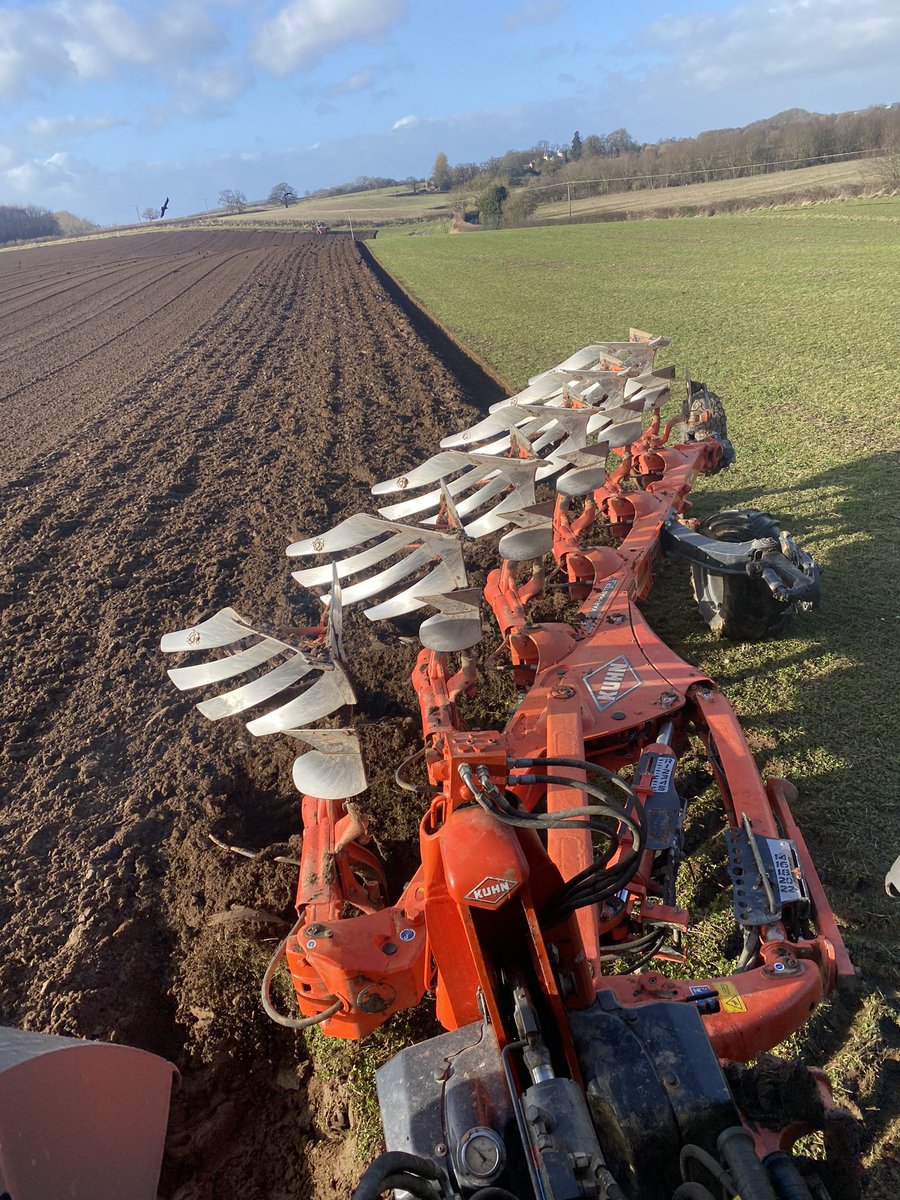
[792,317]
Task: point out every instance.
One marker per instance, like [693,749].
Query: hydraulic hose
[649,956]
[692,1191]
[631,946]
[493,1193]
[579,764]
[789,1184]
[595,883]
[265,995]
[691,1153]
[408,762]
[492,799]
[735,1145]
[750,952]
[579,785]
[419,1176]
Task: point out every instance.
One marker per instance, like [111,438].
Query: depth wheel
[735,606]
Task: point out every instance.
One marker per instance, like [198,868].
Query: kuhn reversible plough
[576,1063]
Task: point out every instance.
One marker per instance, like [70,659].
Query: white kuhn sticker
[612,682]
[492,890]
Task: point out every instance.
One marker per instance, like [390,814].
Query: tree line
[615,162]
[24,224]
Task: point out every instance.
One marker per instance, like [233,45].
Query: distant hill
[790,116]
[71,226]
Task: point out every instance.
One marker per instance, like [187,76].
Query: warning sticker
[730,998]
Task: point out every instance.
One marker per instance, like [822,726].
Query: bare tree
[150,214]
[233,200]
[281,193]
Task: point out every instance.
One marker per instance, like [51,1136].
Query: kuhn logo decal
[492,890]
[612,682]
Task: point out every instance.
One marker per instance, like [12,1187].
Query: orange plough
[581,1057]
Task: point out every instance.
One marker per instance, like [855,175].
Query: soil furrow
[264,409]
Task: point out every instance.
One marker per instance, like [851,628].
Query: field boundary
[473,371]
[726,206]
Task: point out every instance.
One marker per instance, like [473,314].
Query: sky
[106,107]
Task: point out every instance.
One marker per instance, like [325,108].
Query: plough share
[575,1062]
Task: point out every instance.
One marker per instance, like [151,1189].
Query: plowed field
[174,409]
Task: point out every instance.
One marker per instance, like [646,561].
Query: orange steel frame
[476,900]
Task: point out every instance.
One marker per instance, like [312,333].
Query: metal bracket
[765,875]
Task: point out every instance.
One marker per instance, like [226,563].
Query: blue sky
[105,106]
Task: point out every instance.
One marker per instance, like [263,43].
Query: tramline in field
[572,1065]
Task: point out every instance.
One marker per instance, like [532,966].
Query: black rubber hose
[646,958]
[735,1145]
[634,824]
[588,879]
[592,886]
[493,1193]
[569,818]
[634,945]
[750,952]
[599,881]
[582,817]
[580,764]
[265,995]
[692,1191]
[691,1153]
[422,1173]
[789,1184]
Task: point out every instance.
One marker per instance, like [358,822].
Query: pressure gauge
[482,1154]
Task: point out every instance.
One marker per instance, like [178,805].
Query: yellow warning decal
[730,998]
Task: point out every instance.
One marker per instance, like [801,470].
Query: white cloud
[71,40]
[788,39]
[535,12]
[304,30]
[359,81]
[406,122]
[220,83]
[41,176]
[58,129]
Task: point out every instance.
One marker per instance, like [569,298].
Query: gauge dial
[482,1153]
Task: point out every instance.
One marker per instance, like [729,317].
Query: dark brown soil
[175,409]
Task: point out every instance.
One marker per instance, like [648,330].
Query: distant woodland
[30,222]
[615,162]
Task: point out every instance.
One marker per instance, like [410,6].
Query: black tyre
[735,606]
